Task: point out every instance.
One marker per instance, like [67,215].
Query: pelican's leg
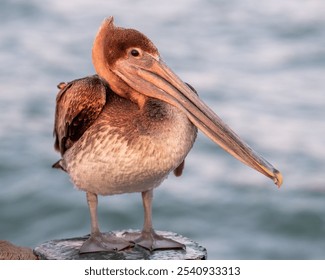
[148,238]
[97,241]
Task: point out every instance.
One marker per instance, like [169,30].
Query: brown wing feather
[78,105]
[179,170]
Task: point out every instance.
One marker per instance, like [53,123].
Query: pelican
[126,128]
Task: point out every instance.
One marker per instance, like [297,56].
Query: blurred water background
[259,64]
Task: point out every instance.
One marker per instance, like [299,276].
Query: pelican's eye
[135,52]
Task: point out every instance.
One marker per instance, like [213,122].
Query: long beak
[157,80]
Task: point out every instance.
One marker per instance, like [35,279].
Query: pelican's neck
[98,51]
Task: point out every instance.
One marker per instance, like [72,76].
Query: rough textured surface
[68,249]
[9,251]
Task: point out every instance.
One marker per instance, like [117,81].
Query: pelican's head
[130,63]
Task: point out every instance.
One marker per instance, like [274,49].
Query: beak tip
[278,179]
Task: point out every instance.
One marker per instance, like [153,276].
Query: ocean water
[259,64]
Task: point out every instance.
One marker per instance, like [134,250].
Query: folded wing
[78,105]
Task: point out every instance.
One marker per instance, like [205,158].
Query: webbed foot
[152,241]
[104,242]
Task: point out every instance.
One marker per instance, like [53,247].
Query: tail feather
[58,165]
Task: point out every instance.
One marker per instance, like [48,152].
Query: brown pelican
[126,128]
